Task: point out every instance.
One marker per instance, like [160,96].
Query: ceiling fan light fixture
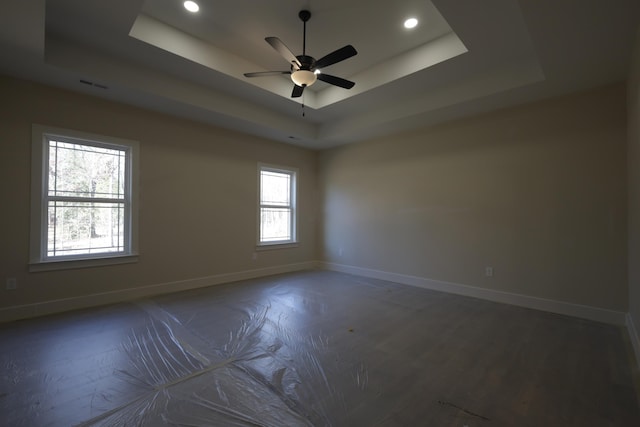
[303,78]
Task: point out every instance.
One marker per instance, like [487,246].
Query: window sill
[70,264]
[270,246]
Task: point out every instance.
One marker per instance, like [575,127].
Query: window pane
[275,224]
[84,228]
[275,188]
[85,171]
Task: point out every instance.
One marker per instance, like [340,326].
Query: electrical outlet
[488,271]
[340,252]
[12,283]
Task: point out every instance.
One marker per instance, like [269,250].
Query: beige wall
[537,192]
[198,195]
[634,186]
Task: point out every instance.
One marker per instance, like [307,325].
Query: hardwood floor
[315,348]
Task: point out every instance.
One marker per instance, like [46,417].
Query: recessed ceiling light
[410,23]
[191,6]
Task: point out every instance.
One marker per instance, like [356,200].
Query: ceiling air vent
[98,85]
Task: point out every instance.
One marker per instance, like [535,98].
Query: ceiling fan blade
[297,91]
[283,50]
[266,73]
[336,56]
[336,81]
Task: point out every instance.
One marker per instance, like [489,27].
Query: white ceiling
[465,57]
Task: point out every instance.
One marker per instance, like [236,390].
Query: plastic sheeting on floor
[181,367]
[313,349]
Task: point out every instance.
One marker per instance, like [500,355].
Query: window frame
[293,206]
[39,260]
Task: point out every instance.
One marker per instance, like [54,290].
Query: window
[277,206]
[83,197]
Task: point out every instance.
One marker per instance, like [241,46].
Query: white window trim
[283,244]
[37,244]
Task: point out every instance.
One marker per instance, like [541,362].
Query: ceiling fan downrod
[304,15]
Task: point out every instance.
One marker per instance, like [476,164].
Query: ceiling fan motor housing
[306,62]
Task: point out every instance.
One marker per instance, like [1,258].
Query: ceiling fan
[306,69]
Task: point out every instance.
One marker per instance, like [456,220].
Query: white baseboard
[575,310]
[559,307]
[85,301]
[634,337]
